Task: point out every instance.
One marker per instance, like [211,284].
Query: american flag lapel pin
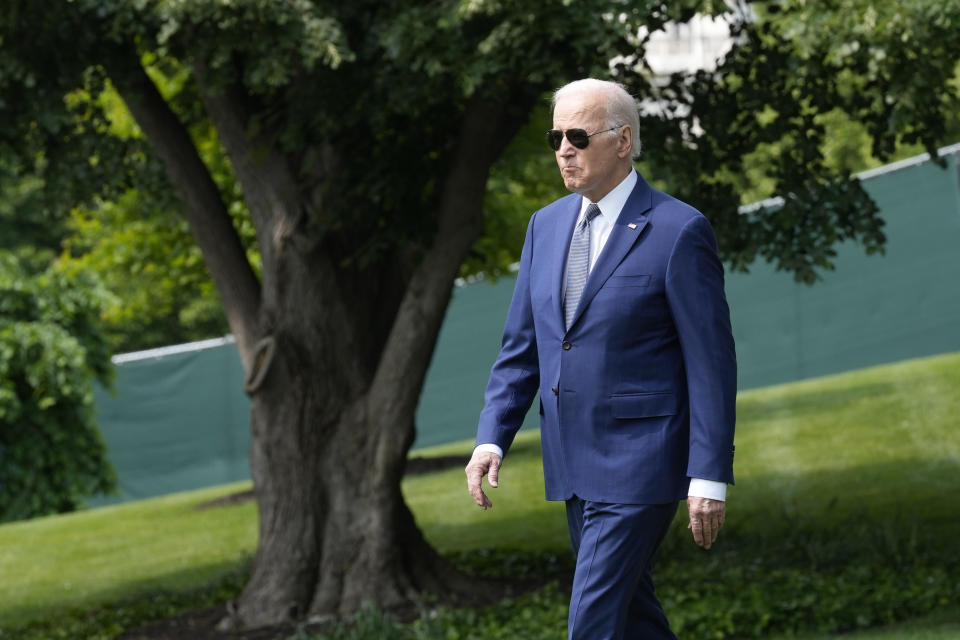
[632,225]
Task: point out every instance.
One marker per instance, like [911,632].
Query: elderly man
[619,320]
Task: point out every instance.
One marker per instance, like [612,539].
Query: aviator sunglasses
[577,137]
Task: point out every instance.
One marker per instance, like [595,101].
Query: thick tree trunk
[331,433]
[332,411]
[332,425]
[334,529]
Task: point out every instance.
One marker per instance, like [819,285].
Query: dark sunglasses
[577,137]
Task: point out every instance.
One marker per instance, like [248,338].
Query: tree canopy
[855,63]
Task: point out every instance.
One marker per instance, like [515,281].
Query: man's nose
[566,149]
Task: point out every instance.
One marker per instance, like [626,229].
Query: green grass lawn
[92,557]
[862,464]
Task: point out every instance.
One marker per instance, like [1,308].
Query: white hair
[620,106]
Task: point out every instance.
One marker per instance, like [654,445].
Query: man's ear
[625,141]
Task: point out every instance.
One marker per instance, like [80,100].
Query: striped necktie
[578,264]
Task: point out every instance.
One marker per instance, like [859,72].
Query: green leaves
[159,289]
[52,456]
[810,92]
[274,42]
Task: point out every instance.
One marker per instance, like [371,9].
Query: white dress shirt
[600,227]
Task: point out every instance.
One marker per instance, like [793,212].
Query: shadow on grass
[828,529]
[139,600]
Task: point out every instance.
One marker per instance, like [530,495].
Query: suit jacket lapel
[622,238]
[561,241]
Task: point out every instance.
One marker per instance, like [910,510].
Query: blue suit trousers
[613,596]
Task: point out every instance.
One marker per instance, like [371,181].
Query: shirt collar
[612,204]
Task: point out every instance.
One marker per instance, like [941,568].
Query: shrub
[52,456]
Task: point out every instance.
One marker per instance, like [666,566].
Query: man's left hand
[706,518]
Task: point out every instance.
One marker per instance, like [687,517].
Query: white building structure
[690,46]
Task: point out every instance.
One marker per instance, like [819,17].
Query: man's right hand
[482,463]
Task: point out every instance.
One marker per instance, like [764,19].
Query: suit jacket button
[566,345]
[555,392]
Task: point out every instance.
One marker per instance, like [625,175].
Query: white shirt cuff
[492,448]
[711,489]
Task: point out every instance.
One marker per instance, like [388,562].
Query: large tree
[362,135]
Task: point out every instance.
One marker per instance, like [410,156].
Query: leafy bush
[541,615]
[52,456]
[821,573]
[758,599]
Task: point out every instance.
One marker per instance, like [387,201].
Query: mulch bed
[202,625]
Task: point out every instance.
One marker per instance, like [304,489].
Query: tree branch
[291,270]
[203,206]
[403,366]
[270,187]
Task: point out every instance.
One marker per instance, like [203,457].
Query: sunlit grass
[90,557]
[520,518]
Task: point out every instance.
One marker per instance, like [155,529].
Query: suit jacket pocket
[643,405]
[628,281]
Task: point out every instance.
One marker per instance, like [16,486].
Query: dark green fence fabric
[181,420]
[178,420]
[871,309]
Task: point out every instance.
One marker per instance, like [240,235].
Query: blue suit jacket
[638,396]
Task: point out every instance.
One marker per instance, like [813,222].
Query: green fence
[179,418]
[871,309]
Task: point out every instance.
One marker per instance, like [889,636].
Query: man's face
[594,171]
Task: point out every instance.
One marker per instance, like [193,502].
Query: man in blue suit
[619,320]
